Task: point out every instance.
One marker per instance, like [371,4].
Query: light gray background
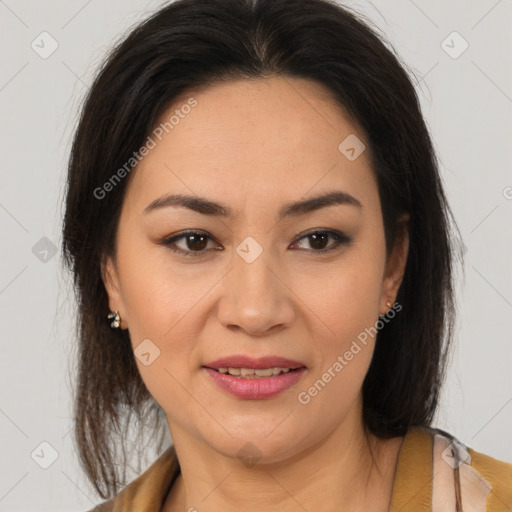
[468,105]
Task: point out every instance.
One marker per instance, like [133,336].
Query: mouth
[252,378]
[254,373]
[246,366]
[255,383]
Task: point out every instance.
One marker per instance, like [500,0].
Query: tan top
[435,473]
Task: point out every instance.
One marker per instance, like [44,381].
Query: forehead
[258,138]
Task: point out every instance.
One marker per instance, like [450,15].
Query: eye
[318,240]
[194,243]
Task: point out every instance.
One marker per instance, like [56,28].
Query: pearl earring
[116,319]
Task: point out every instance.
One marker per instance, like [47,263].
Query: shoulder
[499,475]
[484,480]
[107,506]
[149,490]
[436,471]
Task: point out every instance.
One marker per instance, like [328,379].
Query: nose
[255,297]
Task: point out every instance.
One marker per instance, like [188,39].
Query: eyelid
[339,237]
[168,241]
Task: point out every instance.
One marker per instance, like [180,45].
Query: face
[255,276]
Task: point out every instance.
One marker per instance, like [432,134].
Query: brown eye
[193,243]
[196,241]
[318,240]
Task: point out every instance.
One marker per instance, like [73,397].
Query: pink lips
[241,361]
[255,388]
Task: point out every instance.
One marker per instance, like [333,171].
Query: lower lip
[256,388]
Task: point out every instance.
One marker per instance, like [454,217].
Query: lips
[255,388]
[241,361]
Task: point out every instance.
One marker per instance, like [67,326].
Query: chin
[256,446]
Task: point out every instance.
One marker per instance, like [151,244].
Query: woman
[263,256]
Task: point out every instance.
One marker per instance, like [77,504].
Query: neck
[350,469]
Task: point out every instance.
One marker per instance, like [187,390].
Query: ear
[110,277]
[395,266]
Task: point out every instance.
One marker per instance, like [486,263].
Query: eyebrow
[208,207]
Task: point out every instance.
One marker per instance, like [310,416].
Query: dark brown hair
[191,44]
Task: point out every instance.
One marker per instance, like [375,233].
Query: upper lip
[241,361]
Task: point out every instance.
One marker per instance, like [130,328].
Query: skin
[255,146]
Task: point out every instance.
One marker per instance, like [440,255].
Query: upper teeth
[247,372]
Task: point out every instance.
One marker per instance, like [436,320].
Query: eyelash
[340,238]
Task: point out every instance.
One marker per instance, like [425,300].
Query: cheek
[346,295]
[345,302]
[358,293]
[157,295]
[160,304]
